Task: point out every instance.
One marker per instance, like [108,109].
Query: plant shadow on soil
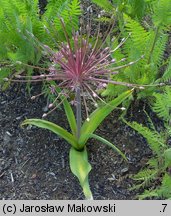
[34,162]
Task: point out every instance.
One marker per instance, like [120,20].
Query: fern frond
[68,10]
[153,163]
[105,5]
[165,189]
[104,19]
[4,72]
[73,13]
[145,175]
[162,13]
[137,8]
[150,122]
[147,194]
[139,35]
[162,105]
[153,138]
[167,74]
[158,52]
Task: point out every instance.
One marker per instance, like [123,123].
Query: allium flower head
[83,63]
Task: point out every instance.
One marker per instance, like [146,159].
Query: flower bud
[106,49]
[123,108]
[33,97]
[113,60]
[18,76]
[50,105]
[44,115]
[94,94]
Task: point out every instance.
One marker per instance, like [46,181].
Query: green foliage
[154,139]
[162,106]
[146,176]
[105,5]
[164,191]
[162,13]
[167,74]
[78,154]
[80,167]
[149,42]
[106,142]
[54,128]
[16,18]
[146,21]
[138,9]
[23,31]
[66,9]
[96,118]
[136,29]
[156,175]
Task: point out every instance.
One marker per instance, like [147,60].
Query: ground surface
[34,162]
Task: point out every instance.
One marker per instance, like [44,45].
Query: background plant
[148,37]
[21,22]
[155,178]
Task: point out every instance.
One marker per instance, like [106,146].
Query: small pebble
[8,133]
[124,170]
[3,102]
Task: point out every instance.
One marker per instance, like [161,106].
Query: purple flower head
[80,63]
[83,63]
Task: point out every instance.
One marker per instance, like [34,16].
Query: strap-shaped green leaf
[106,142]
[99,115]
[70,116]
[69,113]
[80,167]
[54,128]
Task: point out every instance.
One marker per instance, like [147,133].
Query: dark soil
[34,162]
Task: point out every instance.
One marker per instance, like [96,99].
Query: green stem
[78,111]
[153,45]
